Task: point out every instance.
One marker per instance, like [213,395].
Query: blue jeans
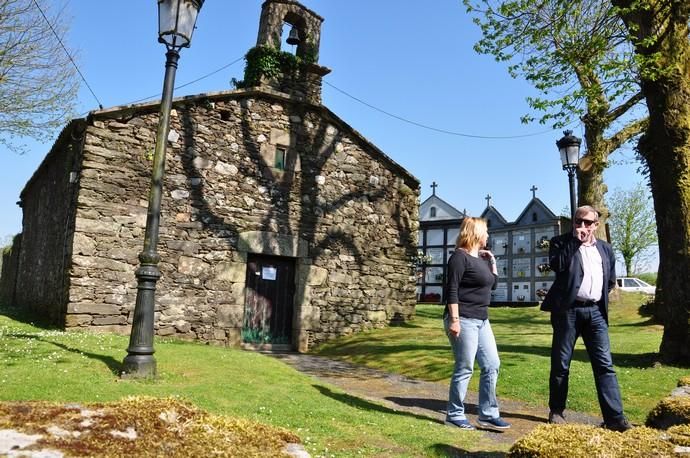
[476,339]
[590,324]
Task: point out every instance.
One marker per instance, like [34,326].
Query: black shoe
[557,418]
[621,426]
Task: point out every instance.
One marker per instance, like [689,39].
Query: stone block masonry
[344,212]
[259,179]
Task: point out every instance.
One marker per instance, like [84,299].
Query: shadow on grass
[363,404]
[381,348]
[648,322]
[404,324]
[428,312]
[638,360]
[439,406]
[522,320]
[113,365]
[510,333]
[452,451]
[642,360]
[433,405]
[23,316]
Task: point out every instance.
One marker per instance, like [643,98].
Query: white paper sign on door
[268,273]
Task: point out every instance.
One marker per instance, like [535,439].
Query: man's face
[584,225]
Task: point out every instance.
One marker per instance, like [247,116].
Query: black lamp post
[569,147]
[176,20]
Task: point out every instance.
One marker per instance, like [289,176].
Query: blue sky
[413,61]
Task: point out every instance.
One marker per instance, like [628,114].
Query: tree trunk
[659,309]
[591,189]
[668,158]
[666,150]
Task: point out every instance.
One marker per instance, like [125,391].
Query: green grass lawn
[420,349]
[40,364]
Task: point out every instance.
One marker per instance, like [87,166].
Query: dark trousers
[567,327]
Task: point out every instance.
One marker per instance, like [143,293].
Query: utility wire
[443,131]
[193,81]
[183,85]
[400,118]
[100,105]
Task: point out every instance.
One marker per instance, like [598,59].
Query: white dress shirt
[593,278]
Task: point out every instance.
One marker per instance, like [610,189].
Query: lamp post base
[138,366]
[139,362]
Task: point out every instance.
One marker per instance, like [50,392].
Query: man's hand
[585,223]
[584,234]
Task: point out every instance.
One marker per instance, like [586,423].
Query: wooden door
[268,304]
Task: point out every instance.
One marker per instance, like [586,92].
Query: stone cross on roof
[488,200]
[534,191]
[433,187]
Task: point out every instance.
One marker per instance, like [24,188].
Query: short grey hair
[587,209]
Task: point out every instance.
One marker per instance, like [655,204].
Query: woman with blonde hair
[471,277]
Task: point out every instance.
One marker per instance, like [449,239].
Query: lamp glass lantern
[176,21]
[569,148]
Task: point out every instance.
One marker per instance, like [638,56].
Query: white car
[635,285]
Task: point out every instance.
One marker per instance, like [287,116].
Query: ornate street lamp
[176,20]
[569,147]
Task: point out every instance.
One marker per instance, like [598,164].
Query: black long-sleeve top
[469,285]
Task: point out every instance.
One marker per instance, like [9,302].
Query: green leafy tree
[660,34]
[632,225]
[38,83]
[6,241]
[576,54]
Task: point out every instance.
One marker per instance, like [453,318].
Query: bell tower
[305,33]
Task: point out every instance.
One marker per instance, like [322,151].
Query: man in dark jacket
[578,301]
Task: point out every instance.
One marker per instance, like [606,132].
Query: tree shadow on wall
[282,189]
[278,189]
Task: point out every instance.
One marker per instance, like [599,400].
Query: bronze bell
[293,37]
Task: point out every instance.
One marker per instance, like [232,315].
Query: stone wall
[9,263]
[340,207]
[48,204]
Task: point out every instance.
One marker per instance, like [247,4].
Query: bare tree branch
[38,82]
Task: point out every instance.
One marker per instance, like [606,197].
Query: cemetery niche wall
[520,247]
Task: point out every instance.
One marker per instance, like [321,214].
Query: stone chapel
[281,226]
